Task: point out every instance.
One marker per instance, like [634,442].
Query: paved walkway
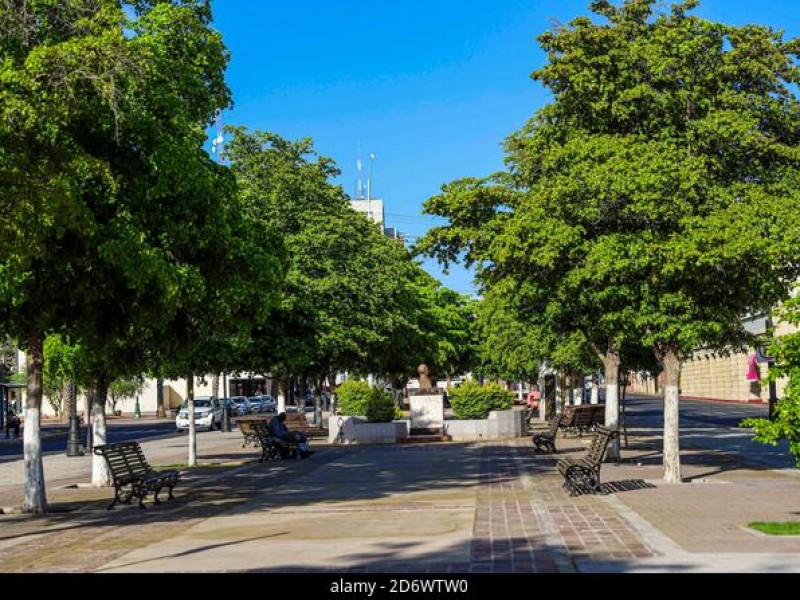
[439,508]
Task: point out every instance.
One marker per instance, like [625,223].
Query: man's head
[282,417]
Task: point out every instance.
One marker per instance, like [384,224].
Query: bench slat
[132,475]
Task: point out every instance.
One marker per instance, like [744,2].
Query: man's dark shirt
[278,429]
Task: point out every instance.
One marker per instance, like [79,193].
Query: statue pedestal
[427,409]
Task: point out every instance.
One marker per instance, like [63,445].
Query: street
[118,431]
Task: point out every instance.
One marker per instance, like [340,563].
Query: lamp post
[137,411]
[74,435]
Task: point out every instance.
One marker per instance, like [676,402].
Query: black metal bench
[133,477]
[583,475]
[546,441]
[273,448]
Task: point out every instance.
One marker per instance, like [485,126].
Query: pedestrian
[533,399]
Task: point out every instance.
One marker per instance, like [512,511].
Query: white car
[207,414]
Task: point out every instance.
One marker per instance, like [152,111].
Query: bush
[471,400]
[381,408]
[353,398]
[356,398]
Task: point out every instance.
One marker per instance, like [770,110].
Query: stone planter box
[500,424]
[357,430]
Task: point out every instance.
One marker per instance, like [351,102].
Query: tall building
[373,209]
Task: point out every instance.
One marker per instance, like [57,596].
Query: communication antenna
[218,143]
[369,185]
[359,183]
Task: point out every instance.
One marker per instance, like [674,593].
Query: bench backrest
[262,432]
[600,439]
[246,426]
[125,460]
[568,417]
[584,416]
[555,423]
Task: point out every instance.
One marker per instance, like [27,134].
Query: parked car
[242,405]
[256,404]
[268,403]
[207,414]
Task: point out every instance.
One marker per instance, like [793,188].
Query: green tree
[59,357]
[353,299]
[785,422]
[124,388]
[104,110]
[655,199]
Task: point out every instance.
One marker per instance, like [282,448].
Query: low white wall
[357,430]
[500,424]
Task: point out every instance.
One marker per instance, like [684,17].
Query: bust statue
[424,379]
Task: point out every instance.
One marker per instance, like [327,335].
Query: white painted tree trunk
[595,390]
[192,426]
[570,390]
[281,398]
[34,495]
[578,387]
[559,390]
[215,385]
[611,362]
[672,450]
[161,413]
[542,396]
[101,476]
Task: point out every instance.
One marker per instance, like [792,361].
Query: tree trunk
[192,426]
[215,386]
[98,391]
[541,383]
[611,361]
[160,412]
[672,453]
[595,390]
[568,378]
[35,499]
[63,406]
[281,396]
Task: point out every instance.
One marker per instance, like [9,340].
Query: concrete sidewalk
[434,508]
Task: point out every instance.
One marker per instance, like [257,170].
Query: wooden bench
[247,429]
[546,440]
[583,475]
[272,448]
[294,422]
[132,475]
[583,417]
[298,422]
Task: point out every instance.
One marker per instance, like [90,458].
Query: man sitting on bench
[278,430]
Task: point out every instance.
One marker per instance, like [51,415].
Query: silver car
[207,414]
[242,405]
[256,404]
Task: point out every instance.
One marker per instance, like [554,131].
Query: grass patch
[776,527]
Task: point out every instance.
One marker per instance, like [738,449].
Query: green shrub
[357,398]
[471,400]
[381,408]
[353,398]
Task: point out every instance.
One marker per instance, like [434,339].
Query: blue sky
[432,88]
